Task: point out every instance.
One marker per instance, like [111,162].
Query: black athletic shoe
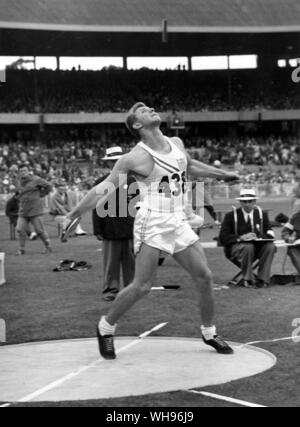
[106,346]
[219,345]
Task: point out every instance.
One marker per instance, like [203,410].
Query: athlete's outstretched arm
[198,170]
[101,192]
[201,170]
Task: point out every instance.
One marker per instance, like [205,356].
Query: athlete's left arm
[201,170]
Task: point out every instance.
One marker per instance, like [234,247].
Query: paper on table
[259,240]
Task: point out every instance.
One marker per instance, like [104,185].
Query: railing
[262,190]
[109,118]
[218,192]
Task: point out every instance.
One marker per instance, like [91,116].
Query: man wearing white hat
[247,235]
[117,235]
[113,154]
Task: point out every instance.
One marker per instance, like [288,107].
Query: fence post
[2,331]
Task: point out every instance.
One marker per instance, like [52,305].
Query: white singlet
[164,189]
[161,221]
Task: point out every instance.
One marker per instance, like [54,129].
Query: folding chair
[238,279]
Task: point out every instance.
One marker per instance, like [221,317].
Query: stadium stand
[114,90]
[76,154]
[113,27]
[197,13]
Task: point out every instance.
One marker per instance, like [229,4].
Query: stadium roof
[147,15]
[134,27]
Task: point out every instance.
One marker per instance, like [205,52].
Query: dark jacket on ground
[115,228]
[230,233]
[31,192]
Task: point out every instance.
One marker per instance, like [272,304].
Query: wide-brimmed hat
[247,194]
[113,153]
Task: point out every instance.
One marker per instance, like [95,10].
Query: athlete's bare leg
[193,260]
[145,268]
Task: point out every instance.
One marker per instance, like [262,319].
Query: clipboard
[260,241]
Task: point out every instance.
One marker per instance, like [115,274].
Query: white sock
[105,328]
[209,333]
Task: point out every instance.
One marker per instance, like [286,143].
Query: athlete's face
[146,117]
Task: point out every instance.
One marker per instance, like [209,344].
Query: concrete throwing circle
[153,365]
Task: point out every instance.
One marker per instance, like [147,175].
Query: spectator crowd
[77,157]
[260,151]
[75,154]
[115,90]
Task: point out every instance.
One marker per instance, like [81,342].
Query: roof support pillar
[125,63]
[229,80]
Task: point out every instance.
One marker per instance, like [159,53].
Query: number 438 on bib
[173,186]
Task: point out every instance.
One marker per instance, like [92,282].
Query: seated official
[239,230]
[290,234]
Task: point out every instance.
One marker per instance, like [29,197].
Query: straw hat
[247,194]
[114,153]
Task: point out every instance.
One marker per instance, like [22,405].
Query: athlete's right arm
[101,192]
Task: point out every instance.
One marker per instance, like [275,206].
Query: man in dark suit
[240,234]
[291,235]
[117,234]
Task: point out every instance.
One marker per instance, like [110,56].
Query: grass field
[39,305]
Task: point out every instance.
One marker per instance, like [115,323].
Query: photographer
[31,191]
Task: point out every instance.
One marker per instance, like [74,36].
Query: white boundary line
[74,374]
[266,341]
[226,399]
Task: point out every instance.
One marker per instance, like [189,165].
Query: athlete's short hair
[131,119]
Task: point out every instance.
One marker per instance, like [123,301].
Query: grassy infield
[38,304]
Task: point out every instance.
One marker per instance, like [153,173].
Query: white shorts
[168,232]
